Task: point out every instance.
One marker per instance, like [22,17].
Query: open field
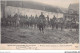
[33,35]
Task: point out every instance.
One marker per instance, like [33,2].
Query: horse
[41,22]
[53,23]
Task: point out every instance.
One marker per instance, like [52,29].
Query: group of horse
[39,22]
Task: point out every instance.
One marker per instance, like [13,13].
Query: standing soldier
[47,18]
[27,21]
[36,20]
[53,22]
[62,23]
[41,22]
[30,20]
[16,19]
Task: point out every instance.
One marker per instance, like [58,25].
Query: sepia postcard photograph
[39,21]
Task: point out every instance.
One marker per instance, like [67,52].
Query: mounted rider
[41,22]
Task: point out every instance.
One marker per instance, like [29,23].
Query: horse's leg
[61,27]
[52,27]
[42,29]
[56,26]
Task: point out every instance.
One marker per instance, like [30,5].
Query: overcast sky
[59,3]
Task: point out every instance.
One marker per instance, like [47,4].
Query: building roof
[74,7]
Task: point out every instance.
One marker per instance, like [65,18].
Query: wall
[29,12]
